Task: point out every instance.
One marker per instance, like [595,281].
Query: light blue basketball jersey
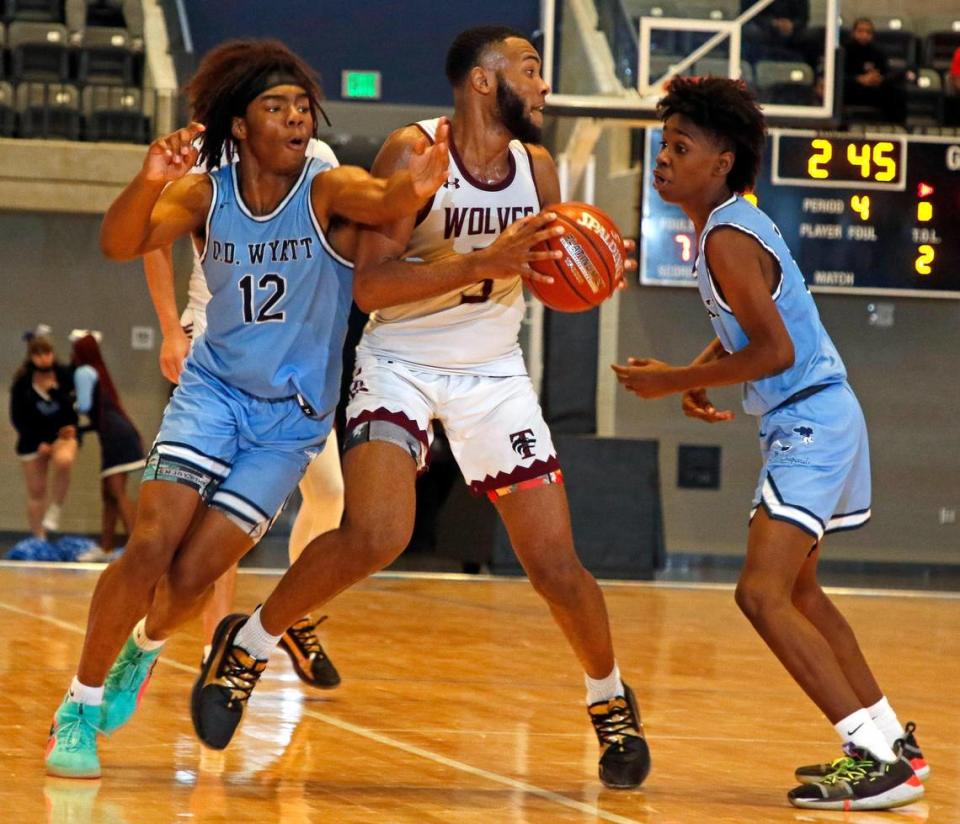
[816,360]
[280,296]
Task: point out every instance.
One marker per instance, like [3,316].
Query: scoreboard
[873,213]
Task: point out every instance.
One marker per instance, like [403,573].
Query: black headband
[257,85]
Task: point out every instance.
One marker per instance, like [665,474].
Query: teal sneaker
[72,746]
[125,685]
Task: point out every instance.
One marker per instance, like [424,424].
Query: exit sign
[359,85]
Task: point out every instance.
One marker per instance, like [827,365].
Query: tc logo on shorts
[805,433]
[357,385]
[523,442]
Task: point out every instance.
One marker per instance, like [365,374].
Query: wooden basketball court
[460,702]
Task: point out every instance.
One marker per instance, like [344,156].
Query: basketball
[592,262]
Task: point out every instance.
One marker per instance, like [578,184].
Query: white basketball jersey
[198,295]
[474,330]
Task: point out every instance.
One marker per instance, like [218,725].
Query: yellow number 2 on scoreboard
[823,151]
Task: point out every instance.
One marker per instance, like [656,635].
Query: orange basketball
[592,262]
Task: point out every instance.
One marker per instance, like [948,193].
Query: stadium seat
[38,52]
[115,114]
[35,10]
[105,57]
[938,48]
[8,115]
[785,82]
[48,110]
[925,99]
[900,46]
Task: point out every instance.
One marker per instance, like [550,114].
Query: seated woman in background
[121,450]
[41,410]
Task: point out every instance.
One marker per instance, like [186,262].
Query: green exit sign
[359,85]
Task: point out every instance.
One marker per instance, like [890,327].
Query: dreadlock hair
[86,352]
[726,109]
[468,47]
[230,77]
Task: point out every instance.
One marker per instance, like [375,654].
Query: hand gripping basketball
[591,262]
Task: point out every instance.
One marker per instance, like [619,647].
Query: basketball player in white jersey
[445,292]
[321,486]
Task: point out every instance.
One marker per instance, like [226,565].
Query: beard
[513,114]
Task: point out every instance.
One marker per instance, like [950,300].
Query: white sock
[82,694]
[886,719]
[604,689]
[255,639]
[858,729]
[141,640]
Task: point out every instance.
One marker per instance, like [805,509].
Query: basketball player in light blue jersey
[816,473]
[257,393]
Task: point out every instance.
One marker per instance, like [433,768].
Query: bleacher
[919,49]
[73,69]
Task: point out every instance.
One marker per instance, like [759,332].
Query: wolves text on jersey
[480,220]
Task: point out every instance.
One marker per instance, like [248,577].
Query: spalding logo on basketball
[592,262]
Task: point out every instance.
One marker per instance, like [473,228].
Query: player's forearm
[753,362]
[158,271]
[126,225]
[394,282]
[713,351]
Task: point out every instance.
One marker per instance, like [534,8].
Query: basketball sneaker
[311,663]
[126,682]
[861,782]
[906,746]
[624,754]
[226,680]
[72,745]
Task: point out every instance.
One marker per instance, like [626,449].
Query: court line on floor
[866,592]
[410,749]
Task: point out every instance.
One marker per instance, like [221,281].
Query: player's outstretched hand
[172,156]
[645,377]
[512,252]
[696,404]
[429,162]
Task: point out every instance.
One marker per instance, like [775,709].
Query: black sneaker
[311,663]
[861,782]
[907,746]
[226,680]
[624,754]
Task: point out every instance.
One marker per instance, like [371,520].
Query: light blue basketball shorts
[244,455]
[816,463]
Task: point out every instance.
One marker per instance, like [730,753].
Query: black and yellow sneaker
[861,782]
[220,693]
[624,754]
[906,746]
[312,664]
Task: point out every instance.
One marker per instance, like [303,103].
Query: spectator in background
[951,113]
[41,410]
[121,451]
[778,32]
[867,77]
